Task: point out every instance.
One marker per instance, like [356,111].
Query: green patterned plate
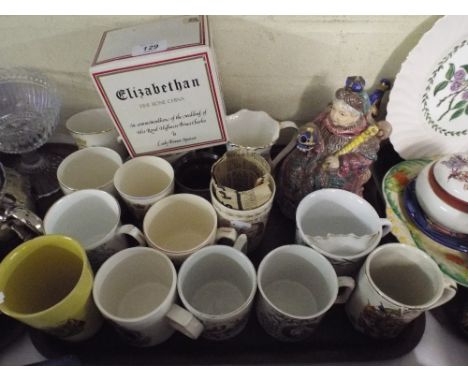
[451,262]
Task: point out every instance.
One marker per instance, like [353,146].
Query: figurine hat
[354,94]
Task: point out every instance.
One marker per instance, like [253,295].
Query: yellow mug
[47,283]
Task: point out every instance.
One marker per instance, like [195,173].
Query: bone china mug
[93,218]
[395,285]
[217,284]
[136,291]
[257,131]
[47,283]
[297,287]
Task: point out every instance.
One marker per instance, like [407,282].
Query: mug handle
[131,230]
[184,321]
[450,289]
[289,146]
[348,284]
[386,226]
[229,236]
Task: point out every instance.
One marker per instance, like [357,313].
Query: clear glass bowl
[29,110]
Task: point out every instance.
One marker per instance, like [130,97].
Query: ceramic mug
[94,127]
[47,283]
[93,218]
[181,224]
[250,222]
[136,291]
[340,225]
[142,181]
[297,286]
[217,284]
[257,131]
[92,167]
[395,285]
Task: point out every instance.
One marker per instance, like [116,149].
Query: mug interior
[143,177]
[217,281]
[404,276]
[179,224]
[92,167]
[134,284]
[88,216]
[296,284]
[252,129]
[45,276]
[92,121]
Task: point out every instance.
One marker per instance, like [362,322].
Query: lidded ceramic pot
[442,191]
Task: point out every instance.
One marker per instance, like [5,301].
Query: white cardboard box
[160,85]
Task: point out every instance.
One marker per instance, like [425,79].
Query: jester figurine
[336,149]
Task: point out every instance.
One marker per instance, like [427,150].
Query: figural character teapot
[336,149]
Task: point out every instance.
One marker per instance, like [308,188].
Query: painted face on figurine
[342,114]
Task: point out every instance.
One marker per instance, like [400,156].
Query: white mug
[257,131]
[142,181]
[92,167]
[340,225]
[297,286]
[181,224]
[94,127]
[92,217]
[395,285]
[217,284]
[136,291]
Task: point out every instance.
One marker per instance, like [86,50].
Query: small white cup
[257,131]
[181,224]
[94,127]
[92,167]
[297,287]
[92,217]
[217,284]
[142,181]
[395,285]
[136,291]
[340,225]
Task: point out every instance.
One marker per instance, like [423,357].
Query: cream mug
[395,285]
[181,224]
[92,217]
[142,181]
[94,127]
[92,167]
[257,131]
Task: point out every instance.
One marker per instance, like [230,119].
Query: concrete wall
[288,66]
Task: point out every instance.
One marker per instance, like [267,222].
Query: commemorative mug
[217,284]
[257,131]
[181,224]
[94,127]
[92,167]
[340,225]
[395,285]
[47,283]
[136,291]
[297,286]
[92,217]
[142,181]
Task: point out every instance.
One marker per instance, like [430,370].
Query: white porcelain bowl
[442,191]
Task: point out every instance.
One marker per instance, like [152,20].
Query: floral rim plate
[451,262]
[428,106]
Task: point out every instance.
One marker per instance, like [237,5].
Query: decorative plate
[428,105]
[451,262]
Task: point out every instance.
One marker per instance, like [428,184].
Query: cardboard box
[160,85]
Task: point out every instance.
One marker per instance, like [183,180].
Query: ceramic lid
[451,173]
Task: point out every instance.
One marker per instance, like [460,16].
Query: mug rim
[427,259]
[198,256]
[80,152]
[117,258]
[314,254]
[87,111]
[133,161]
[89,191]
[42,241]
